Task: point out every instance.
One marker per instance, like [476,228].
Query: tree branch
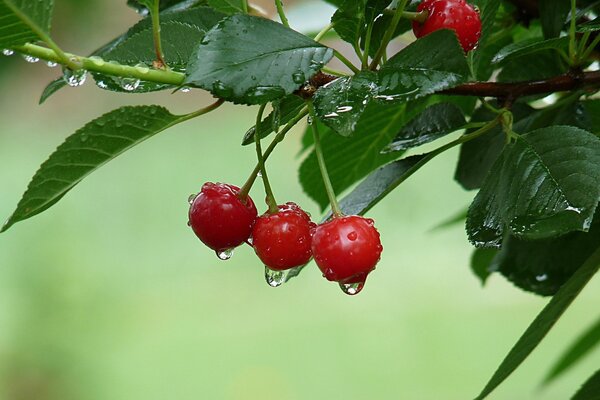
[512,91]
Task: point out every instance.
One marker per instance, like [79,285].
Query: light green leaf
[90,147]
[22,20]
[543,323]
[544,185]
[252,60]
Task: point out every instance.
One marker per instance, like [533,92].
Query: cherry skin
[457,15]
[346,248]
[282,240]
[219,218]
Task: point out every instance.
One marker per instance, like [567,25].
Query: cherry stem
[271,203]
[419,17]
[243,194]
[389,34]
[335,207]
[281,13]
[155,15]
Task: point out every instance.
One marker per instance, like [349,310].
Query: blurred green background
[109,295]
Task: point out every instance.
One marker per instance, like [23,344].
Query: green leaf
[252,60]
[340,104]
[543,266]
[530,46]
[433,123]
[351,159]
[479,155]
[590,26]
[349,20]
[136,45]
[544,185]
[585,343]
[590,389]
[21,19]
[433,63]
[481,263]
[141,6]
[481,57]
[227,6]
[553,15]
[543,64]
[289,107]
[544,321]
[52,88]
[379,184]
[90,147]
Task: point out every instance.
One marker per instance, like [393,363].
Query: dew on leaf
[298,77]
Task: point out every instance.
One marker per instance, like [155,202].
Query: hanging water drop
[128,84]
[185,89]
[352,288]
[8,52]
[101,84]
[30,59]
[275,278]
[74,78]
[224,254]
[51,64]
[259,175]
[298,77]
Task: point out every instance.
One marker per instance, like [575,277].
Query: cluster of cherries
[457,15]
[346,248]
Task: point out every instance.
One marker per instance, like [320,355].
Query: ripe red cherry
[457,15]
[220,218]
[346,249]
[282,240]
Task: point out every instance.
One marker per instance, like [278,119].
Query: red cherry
[346,249]
[457,15]
[220,218]
[282,240]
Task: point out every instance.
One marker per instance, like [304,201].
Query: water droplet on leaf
[298,77]
[30,59]
[8,52]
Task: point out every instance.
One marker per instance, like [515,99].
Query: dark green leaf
[544,185]
[544,321]
[590,389]
[252,60]
[433,63]
[379,184]
[481,263]
[341,103]
[52,88]
[349,20]
[227,6]
[553,15]
[540,65]
[477,156]
[19,19]
[433,123]
[288,108]
[141,6]
[576,351]
[87,149]
[136,44]
[590,26]
[530,46]
[351,159]
[543,266]
[481,57]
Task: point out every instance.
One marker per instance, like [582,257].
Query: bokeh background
[109,295]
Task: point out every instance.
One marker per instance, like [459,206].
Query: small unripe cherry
[457,15]
[347,249]
[220,219]
[283,240]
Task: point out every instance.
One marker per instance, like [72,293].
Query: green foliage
[21,21]
[545,184]
[535,159]
[87,149]
[252,60]
[590,389]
